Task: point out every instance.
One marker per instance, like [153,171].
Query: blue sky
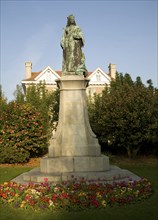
[120,32]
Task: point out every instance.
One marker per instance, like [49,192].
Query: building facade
[98,78]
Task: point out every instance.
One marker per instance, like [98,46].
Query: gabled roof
[37,75]
[89,73]
[59,72]
[98,70]
[33,76]
[48,68]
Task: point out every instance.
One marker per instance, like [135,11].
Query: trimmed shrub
[22,133]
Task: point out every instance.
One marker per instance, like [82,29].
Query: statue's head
[71,20]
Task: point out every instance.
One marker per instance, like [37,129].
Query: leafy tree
[2,98]
[125,114]
[153,135]
[47,103]
[1,93]
[33,95]
[19,95]
[53,110]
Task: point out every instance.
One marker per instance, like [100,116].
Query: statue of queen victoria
[72,42]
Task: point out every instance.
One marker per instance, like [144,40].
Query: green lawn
[8,173]
[146,210]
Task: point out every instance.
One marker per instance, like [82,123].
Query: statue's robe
[72,42]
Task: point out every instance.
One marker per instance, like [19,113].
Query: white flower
[51,203]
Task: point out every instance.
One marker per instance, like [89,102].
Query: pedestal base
[60,169]
[74,164]
[114,174]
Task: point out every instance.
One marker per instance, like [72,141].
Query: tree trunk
[129,152]
[132,152]
[135,152]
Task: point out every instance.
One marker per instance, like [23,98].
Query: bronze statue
[72,42]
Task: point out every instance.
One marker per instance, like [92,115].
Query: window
[98,77]
[48,76]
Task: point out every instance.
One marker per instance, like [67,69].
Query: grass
[145,210]
[8,173]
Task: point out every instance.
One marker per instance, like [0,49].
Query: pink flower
[46,180]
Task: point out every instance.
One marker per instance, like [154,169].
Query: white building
[98,78]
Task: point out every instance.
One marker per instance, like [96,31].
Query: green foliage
[47,103]
[19,95]
[22,133]
[126,114]
[26,124]
[36,97]
[7,173]
[3,100]
[53,103]
[0,92]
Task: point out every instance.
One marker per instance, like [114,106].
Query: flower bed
[75,194]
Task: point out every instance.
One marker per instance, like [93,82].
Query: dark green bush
[125,116]
[22,133]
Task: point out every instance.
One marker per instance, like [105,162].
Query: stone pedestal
[74,136]
[74,147]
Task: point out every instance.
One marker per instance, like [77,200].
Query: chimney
[112,70]
[28,69]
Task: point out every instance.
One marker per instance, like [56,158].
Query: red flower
[12,193]
[54,198]
[95,203]
[4,195]
[32,203]
[46,180]
[46,200]
[64,195]
[27,197]
[113,199]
